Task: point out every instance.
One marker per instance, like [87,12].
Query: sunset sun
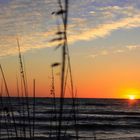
[132,97]
[132,94]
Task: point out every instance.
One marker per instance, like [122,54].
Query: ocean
[96,119]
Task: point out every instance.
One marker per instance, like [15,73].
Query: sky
[103,39]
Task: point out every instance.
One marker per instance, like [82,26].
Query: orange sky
[104,77]
[104,47]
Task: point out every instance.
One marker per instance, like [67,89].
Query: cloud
[93,55]
[132,47]
[38,40]
[105,29]
[27,42]
[104,52]
[32,21]
[119,50]
[101,53]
